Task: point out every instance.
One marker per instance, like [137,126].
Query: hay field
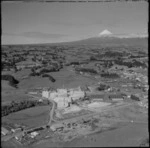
[30,117]
[64,78]
[69,79]
[129,135]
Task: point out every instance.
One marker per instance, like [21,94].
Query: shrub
[12,81]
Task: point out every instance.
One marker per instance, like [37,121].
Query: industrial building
[63,96]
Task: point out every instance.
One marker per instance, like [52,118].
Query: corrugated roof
[115,96]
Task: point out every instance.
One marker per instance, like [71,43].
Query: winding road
[51,114]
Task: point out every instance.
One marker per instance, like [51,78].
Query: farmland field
[30,117]
[131,134]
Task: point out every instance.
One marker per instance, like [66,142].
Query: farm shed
[4,131]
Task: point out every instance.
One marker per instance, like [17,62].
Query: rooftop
[116,96]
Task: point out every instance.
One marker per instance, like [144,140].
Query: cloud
[39,35]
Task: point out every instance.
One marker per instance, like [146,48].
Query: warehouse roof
[115,96]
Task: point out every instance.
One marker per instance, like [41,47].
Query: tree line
[17,106]
[12,81]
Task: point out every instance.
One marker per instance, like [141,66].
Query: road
[51,114]
[51,110]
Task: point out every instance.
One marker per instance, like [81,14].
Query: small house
[55,127]
[4,131]
[34,134]
[16,129]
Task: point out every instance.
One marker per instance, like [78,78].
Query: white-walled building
[45,93]
[77,94]
[62,102]
[63,96]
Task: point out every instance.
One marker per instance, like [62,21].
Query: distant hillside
[111,41]
[100,41]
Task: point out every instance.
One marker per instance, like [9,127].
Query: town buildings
[63,96]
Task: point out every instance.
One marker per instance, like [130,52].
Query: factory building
[62,102]
[76,94]
[45,93]
[63,96]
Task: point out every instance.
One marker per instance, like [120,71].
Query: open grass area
[69,79]
[9,93]
[64,78]
[30,117]
[126,136]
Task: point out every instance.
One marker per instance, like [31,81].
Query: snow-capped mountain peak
[105,33]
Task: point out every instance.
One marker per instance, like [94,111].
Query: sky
[35,22]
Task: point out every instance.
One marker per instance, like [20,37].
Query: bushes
[133,97]
[12,81]
[74,63]
[49,76]
[110,75]
[88,70]
[113,54]
[17,106]
[134,63]
[103,87]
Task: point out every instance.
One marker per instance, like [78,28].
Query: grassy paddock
[30,117]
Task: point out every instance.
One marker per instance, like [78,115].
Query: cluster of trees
[108,64]
[17,106]
[113,54]
[102,87]
[108,54]
[88,70]
[49,76]
[109,75]
[12,81]
[133,97]
[138,64]
[53,67]
[7,65]
[11,63]
[137,56]
[134,63]
[74,63]
[42,73]
[140,54]
[93,58]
